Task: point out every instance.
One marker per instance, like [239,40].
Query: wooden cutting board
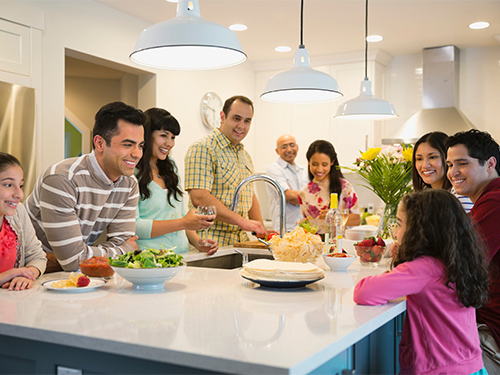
[250,244]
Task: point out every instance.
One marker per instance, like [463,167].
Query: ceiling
[337,26]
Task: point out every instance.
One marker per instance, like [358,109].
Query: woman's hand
[193,221]
[212,250]
[322,214]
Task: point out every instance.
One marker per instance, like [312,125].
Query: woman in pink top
[440,268]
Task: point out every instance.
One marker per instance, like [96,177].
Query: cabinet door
[15,51]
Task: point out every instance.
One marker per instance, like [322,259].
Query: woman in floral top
[326,178]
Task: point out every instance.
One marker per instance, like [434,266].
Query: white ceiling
[337,26]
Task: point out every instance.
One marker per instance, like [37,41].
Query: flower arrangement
[387,172]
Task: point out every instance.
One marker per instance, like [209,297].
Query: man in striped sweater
[76,200]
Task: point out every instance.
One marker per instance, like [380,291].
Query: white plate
[94,283]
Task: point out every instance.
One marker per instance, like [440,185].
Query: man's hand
[255,226]
[132,240]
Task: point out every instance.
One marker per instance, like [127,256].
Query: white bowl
[338,264]
[148,278]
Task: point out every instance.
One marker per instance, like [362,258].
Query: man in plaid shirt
[215,165]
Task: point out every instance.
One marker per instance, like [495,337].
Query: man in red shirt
[474,169]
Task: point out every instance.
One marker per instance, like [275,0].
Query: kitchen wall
[94,29]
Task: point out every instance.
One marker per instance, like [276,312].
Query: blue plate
[282,284]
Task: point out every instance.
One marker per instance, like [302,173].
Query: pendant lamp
[188,42]
[301,84]
[366,106]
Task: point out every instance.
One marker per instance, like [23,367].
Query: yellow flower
[371,153]
[408,153]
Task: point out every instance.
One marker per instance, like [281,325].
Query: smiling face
[11,190]
[466,174]
[236,124]
[287,148]
[430,165]
[162,141]
[320,166]
[124,151]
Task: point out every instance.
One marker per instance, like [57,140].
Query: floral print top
[315,197]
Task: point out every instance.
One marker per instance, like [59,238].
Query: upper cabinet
[15,54]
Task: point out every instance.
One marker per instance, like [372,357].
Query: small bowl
[370,255]
[148,278]
[96,267]
[338,263]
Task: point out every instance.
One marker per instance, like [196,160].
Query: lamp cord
[366,41]
[301,24]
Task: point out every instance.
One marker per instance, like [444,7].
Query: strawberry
[373,241]
[366,243]
[377,250]
[82,281]
[380,242]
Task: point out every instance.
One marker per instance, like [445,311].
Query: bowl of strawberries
[370,251]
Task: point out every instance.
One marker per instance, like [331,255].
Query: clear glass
[203,244]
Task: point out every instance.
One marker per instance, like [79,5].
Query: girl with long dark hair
[326,178]
[161,219]
[440,267]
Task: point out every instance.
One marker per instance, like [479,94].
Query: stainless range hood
[440,98]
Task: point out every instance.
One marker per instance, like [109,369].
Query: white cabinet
[15,54]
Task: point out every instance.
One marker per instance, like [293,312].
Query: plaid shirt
[213,163]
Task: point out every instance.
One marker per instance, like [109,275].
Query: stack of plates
[276,274]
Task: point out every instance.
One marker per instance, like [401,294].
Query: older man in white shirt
[291,176]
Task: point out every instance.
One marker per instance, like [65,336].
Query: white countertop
[206,318]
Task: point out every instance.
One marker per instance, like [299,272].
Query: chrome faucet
[272,181]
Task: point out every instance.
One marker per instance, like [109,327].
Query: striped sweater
[73,202]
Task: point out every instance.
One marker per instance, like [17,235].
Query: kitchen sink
[227,262]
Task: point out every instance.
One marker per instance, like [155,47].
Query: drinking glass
[345,216]
[392,224]
[205,210]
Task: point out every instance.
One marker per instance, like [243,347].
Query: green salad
[147,258]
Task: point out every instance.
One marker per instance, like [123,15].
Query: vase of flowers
[387,172]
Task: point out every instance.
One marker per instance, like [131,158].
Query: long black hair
[325,147]
[436,140]
[158,119]
[437,226]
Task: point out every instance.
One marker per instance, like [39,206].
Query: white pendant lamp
[188,42]
[301,84]
[366,106]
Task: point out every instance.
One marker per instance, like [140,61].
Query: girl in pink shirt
[22,259]
[440,268]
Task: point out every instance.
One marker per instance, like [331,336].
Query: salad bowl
[148,269]
[148,278]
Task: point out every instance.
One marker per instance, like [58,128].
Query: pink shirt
[8,247]
[439,334]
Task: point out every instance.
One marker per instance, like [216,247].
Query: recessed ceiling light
[238,27]
[172,1]
[479,25]
[282,49]
[374,38]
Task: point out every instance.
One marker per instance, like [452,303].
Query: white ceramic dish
[94,283]
[148,278]
[338,264]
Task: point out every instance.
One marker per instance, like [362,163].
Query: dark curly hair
[480,145]
[437,226]
[435,140]
[325,147]
[158,119]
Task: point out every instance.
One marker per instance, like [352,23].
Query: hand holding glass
[203,244]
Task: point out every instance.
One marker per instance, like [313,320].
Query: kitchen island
[205,321]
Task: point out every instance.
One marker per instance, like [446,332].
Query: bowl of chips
[296,246]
